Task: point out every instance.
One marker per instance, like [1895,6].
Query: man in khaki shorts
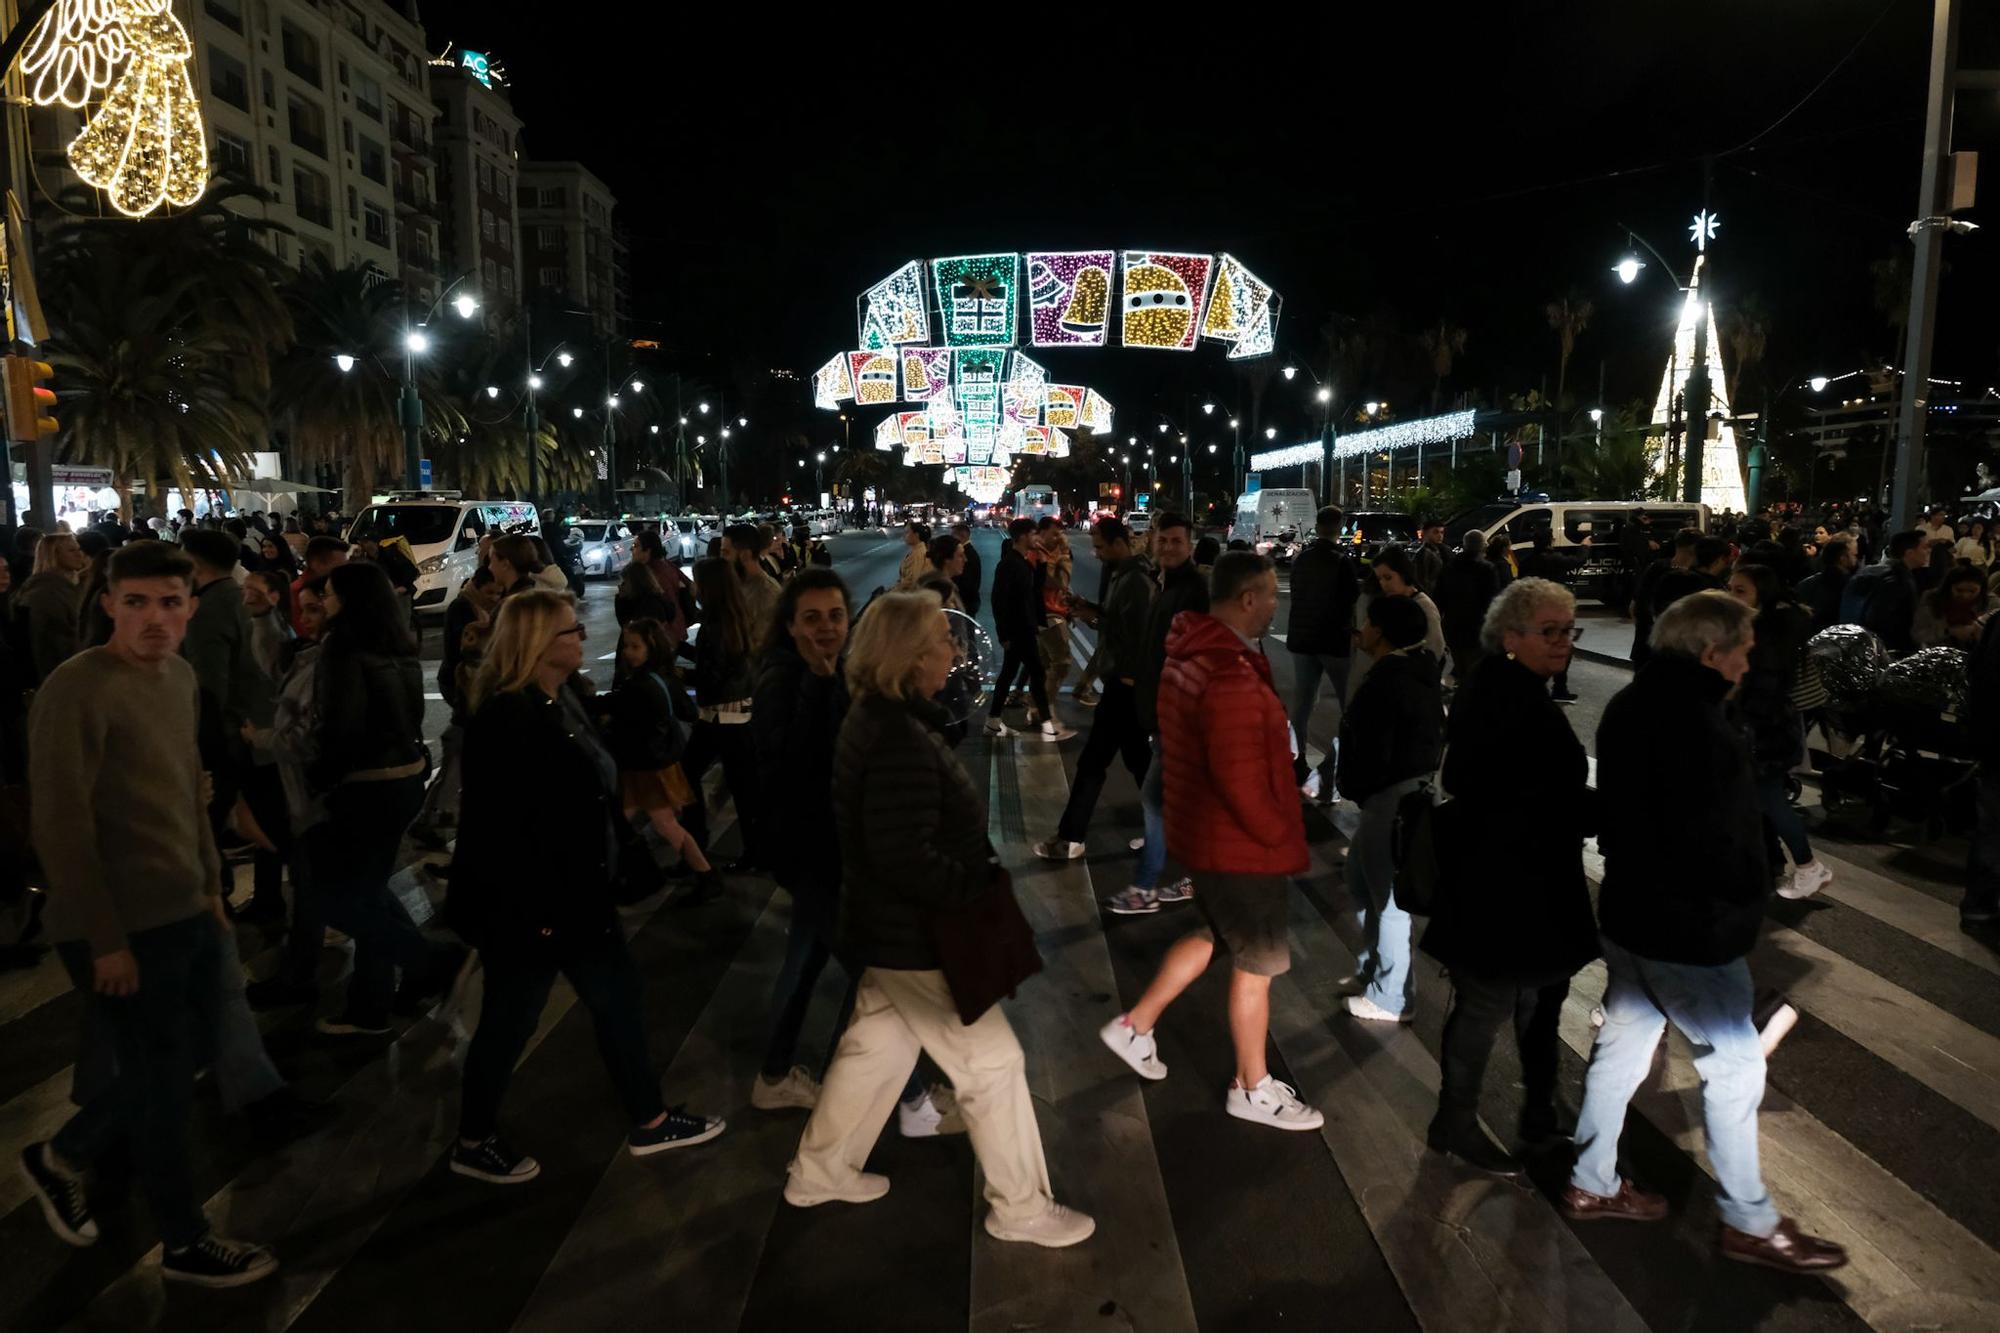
[1233,818]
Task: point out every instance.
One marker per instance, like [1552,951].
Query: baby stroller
[1897,744]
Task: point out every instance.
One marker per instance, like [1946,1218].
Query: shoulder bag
[1419,843]
[985,949]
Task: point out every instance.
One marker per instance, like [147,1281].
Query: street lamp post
[411,407]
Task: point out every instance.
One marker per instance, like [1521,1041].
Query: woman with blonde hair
[913,850]
[47,605]
[542,904]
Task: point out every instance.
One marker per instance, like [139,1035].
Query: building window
[353,205]
[374,161]
[555,198]
[503,185]
[367,96]
[550,278]
[229,13]
[486,228]
[340,72]
[485,174]
[375,225]
[301,54]
[347,134]
[308,125]
[549,238]
[507,279]
[270,90]
[231,155]
[488,275]
[277,175]
[228,81]
[311,197]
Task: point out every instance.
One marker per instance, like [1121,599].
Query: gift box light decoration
[1164,295]
[1034,440]
[833,383]
[977,298]
[874,376]
[1064,405]
[143,144]
[1261,339]
[888,433]
[913,427]
[1058,442]
[1069,298]
[1096,412]
[926,373]
[893,311]
[975,377]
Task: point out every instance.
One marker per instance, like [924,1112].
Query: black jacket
[1325,586]
[645,730]
[1121,622]
[1550,565]
[1394,729]
[1889,606]
[1685,872]
[1466,587]
[1513,904]
[720,676]
[368,709]
[1764,703]
[1674,584]
[534,862]
[460,616]
[968,582]
[1820,594]
[912,832]
[1017,603]
[1982,695]
[1183,589]
[795,722]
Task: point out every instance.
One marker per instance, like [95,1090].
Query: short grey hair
[1475,543]
[1515,608]
[1701,621]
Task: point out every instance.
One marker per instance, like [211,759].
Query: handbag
[985,949]
[1418,843]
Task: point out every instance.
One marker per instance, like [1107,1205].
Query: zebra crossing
[1881,1129]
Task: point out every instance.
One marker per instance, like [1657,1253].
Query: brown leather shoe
[1629,1204]
[1788,1249]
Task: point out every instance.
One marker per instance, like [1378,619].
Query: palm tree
[1443,344]
[1746,329]
[1889,280]
[1569,315]
[351,417]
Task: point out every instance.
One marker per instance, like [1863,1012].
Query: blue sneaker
[677,1129]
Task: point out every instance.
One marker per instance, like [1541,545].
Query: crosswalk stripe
[690,1204]
[1466,1252]
[1095,1130]
[1911,1265]
[1916,914]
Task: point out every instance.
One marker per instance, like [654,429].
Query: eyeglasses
[576,629]
[1557,633]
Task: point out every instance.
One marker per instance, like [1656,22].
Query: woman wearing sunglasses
[538,901]
[1513,919]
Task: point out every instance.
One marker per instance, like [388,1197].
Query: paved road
[1881,1127]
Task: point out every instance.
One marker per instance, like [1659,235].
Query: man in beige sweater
[121,829]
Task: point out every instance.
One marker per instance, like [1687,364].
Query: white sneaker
[1135,1048]
[865,1188]
[995,727]
[1360,1006]
[1058,849]
[1806,880]
[1053,1229]
[1136,844]
[1053,731]
[934,1113]
[795,1089]
[1272,1103]
[1311,788]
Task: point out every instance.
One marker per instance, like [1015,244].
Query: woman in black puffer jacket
[913,845]
[1777,734]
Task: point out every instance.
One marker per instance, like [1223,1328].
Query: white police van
[443,530]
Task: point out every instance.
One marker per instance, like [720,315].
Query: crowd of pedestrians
[245,692]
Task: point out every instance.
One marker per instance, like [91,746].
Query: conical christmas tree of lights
[1721,471]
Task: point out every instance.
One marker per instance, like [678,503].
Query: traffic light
[31,406]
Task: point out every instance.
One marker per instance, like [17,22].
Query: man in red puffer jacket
[1232,816]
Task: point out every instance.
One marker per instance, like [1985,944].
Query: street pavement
[1881,1129]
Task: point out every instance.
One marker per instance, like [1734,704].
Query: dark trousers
[1022,658]
[736,749]
[1114,733]
[808,947]
[157,1037]
[1480,1006]
[353,854]
[1982,872]
[264,793]
[305,939]
[517,989]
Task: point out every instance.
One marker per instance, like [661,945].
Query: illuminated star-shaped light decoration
[1702,230]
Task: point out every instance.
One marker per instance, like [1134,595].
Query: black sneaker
[494,1162]
[278,993]
[61,1195]
[677,1129]
[420,986]
[215,1262]
[347,1025]
[1473,1148]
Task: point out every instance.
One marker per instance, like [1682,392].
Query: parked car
[603,547]
[443,530]
[1369,530]
[1585,531]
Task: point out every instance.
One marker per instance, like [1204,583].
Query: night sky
[1390,170]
